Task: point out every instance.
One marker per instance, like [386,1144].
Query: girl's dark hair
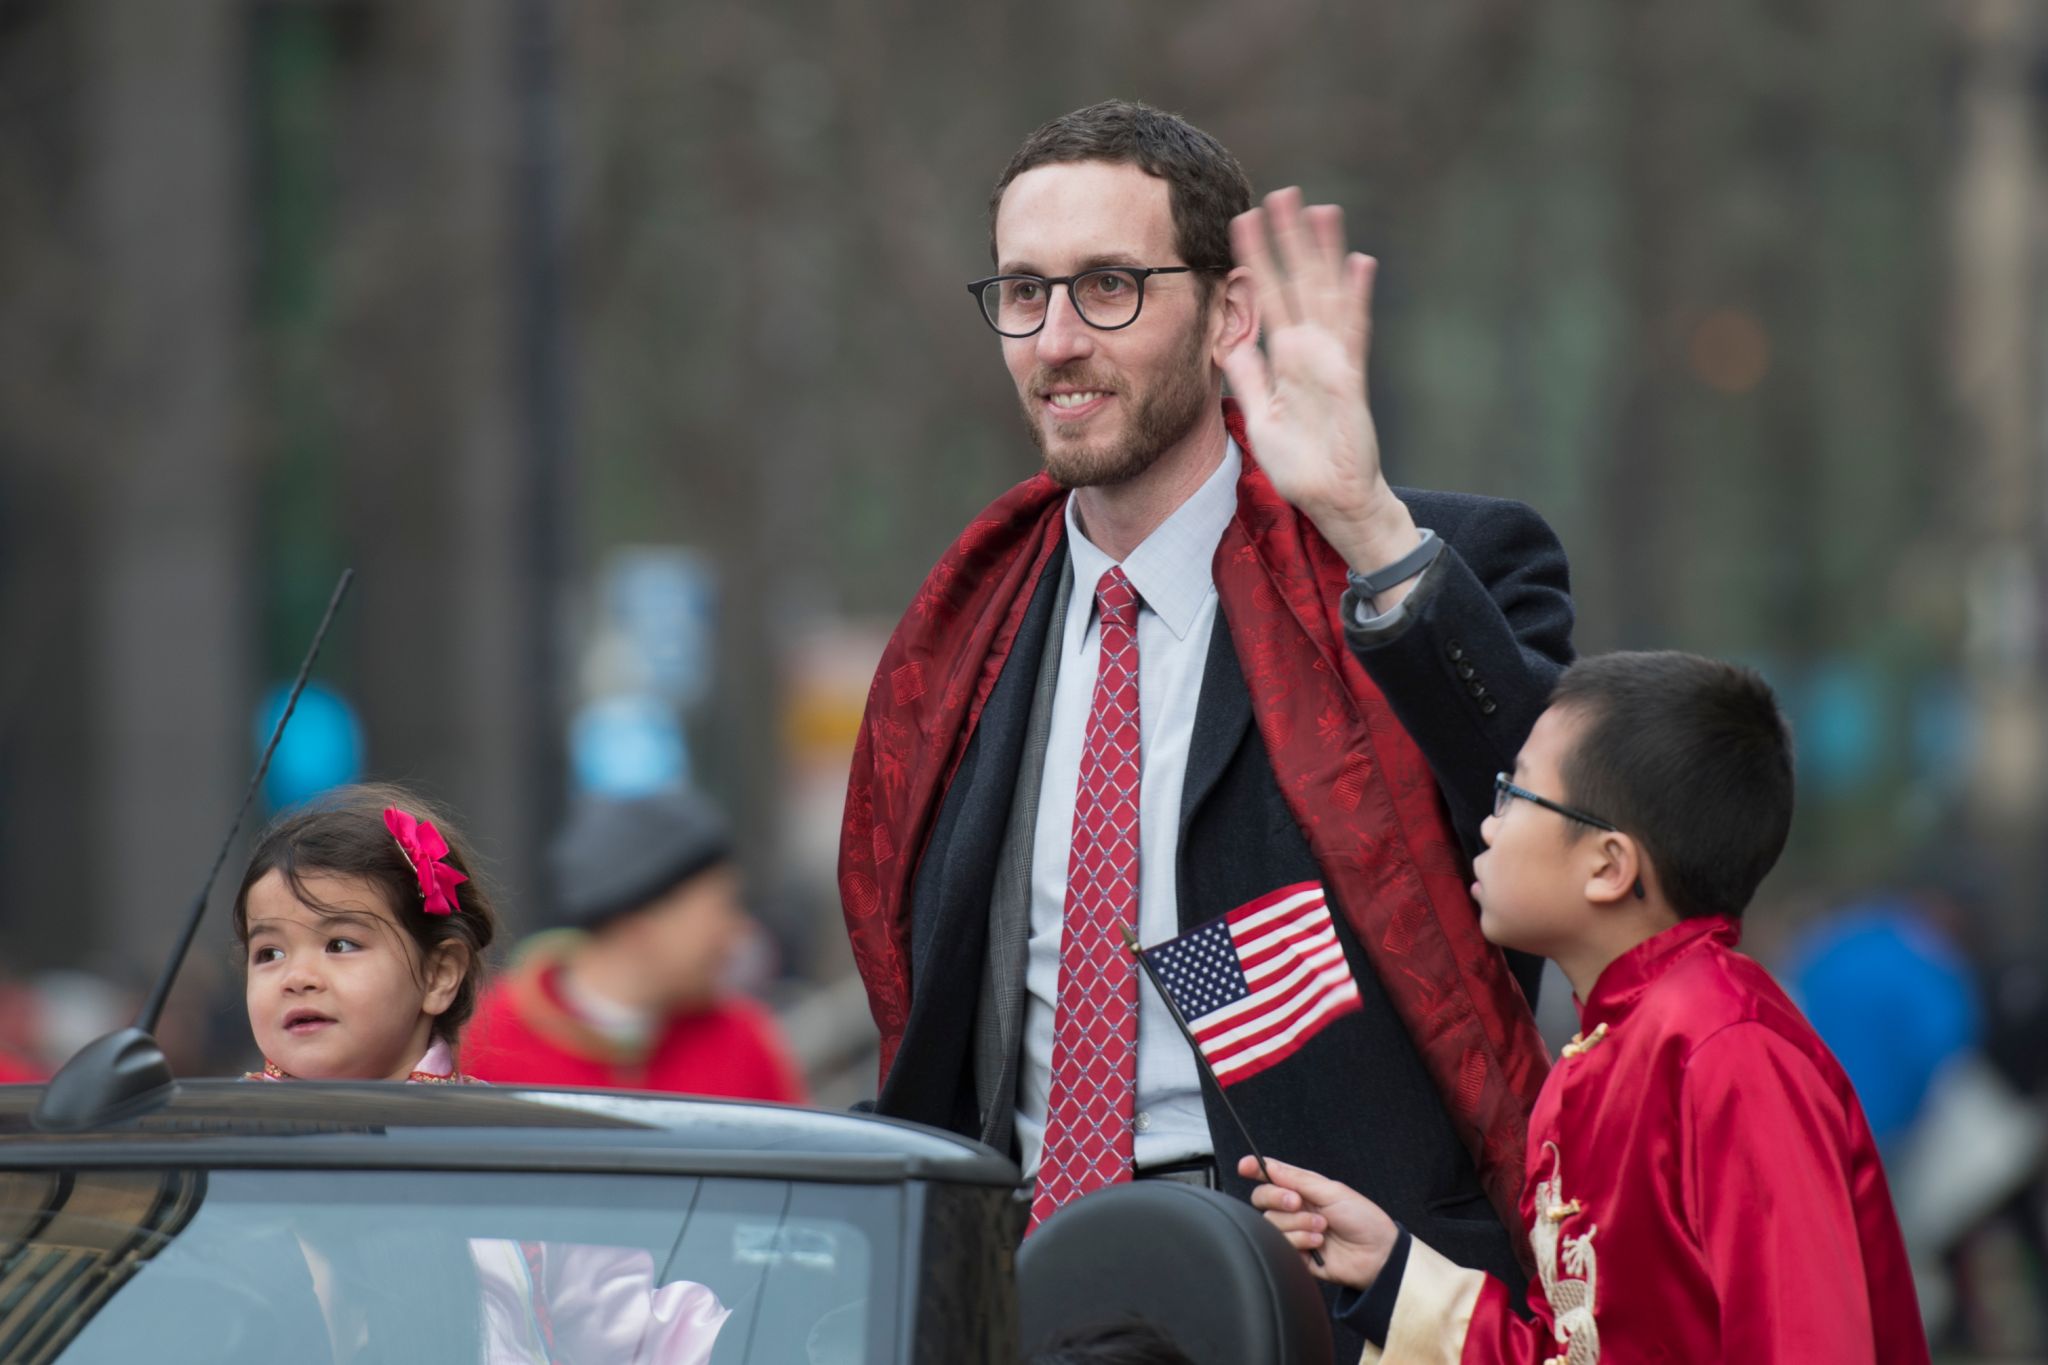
[1691,756]
[342,833]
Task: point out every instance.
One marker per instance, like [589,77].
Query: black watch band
[1371,585]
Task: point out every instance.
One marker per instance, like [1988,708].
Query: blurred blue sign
[322,748]
[627,746]
[1838,726]
[662,600]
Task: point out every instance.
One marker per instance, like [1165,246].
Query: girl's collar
[437,1067]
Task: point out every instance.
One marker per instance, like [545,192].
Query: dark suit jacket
[1467,668]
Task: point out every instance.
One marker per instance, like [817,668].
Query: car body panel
[942,1212]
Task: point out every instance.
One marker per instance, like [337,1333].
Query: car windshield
[232,1266]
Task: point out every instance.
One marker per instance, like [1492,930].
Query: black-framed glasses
[1105,298]
[1505,791]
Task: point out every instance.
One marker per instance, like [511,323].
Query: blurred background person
[636,992]
[1888,983]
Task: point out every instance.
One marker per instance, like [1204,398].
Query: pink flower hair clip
[423,849]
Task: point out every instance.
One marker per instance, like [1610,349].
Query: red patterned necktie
[1095,1022]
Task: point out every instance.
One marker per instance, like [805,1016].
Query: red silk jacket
[1702,1187]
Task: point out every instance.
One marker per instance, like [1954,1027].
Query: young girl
[363,932]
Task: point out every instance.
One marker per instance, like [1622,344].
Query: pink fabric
[1095,1022]
[438,1061]
[546,1302]
[550,1303]
[435,1067]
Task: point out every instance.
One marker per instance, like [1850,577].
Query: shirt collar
[1173,569]
[437,1065]
[1636,970]
[439,1061]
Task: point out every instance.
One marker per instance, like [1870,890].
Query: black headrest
[1201,1266]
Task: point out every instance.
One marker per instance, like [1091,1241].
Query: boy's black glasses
[1505,791]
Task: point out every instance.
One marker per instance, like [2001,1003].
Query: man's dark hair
[1122,1343]
[1205,185]
[1692,757]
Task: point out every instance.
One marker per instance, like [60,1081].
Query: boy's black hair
[1691,757]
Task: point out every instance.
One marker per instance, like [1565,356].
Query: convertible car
[238,1224]
[309,1222]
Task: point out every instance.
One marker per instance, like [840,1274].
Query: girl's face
[339,992]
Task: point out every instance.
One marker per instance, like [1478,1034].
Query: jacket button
[1488,707]
[1465,670]
[1477,689]
[1456,651]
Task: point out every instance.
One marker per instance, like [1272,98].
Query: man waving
[1208,667]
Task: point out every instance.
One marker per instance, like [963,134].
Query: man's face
[1103,406]
[1531,880]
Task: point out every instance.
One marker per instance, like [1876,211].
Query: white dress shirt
[1176,616]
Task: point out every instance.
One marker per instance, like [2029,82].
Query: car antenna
[125,1073]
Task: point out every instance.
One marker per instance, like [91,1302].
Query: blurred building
[1747,299]
[274,307]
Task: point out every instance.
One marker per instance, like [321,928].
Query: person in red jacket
[632,995]
[1701,1185]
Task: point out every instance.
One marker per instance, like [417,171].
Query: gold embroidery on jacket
[1582,1043]
[1568,1278]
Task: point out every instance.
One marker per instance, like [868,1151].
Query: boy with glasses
[1702,1185]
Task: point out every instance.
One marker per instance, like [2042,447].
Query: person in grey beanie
[630,992]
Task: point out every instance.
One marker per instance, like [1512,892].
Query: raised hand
[1354,1235]
[1304,398]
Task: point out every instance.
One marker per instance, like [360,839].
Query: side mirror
[1202,1267]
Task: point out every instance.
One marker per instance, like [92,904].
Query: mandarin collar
[1629,975]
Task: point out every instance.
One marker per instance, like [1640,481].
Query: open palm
[1304,397]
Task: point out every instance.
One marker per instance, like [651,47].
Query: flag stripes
[1257,984]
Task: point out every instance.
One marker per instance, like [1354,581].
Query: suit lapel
[1222,715]
[951,892]
[999,1014]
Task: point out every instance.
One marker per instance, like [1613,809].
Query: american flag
[1257,984]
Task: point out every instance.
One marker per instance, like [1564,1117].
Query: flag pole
[1201,1059]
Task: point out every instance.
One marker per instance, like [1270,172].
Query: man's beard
[1154,426]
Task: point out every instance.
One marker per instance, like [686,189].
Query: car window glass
[303,1265]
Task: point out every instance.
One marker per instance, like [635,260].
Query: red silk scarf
[1356,783]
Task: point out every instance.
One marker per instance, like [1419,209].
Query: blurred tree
[1685,277]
